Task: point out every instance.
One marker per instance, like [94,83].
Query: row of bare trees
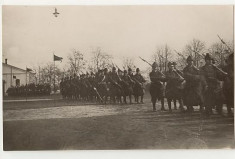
[195,48]
[77,64]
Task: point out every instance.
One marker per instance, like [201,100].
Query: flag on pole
[57,58]
[28,69]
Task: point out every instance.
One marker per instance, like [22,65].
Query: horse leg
[137,99]
[175,107]
[169,104]
[124,99]
[130,99]
[162,104]
[229,109]
[154,99]
[181,104]
[142,99]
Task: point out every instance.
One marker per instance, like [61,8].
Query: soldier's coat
[213,95]
[138,86]
[173,87]
[156,86]
[194,87]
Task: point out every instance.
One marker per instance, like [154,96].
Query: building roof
[4,64]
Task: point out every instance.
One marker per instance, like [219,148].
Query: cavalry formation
[208,87]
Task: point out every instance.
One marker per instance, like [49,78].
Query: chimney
[5,61]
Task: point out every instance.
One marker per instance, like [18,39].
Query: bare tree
[100,60]
[46,74]
[128,63]
[195,48]
[162,56]
[76,62]
[180,60]
[219,52]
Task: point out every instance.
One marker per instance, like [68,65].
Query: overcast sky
[31,33]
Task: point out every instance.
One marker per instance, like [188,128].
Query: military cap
[154,65]
[125,71]
[119,70]
[129,69]
[137,70]
[189,58]
[114,68]
[208,57]
[174,63]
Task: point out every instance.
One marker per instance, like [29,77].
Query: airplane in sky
[56,13]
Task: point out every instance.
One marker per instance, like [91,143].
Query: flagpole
[26,84]
[54,76]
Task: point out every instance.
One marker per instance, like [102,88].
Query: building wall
[9,71]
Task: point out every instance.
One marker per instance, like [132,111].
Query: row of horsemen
[192,87]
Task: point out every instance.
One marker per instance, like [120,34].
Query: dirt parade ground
[64,125]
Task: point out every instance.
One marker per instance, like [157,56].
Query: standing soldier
[194,86]
[228,87]
[181,86]
[115,87]
[174,86]
[156,86]
[103,83]
[139,86]
[213,94]
[127,85]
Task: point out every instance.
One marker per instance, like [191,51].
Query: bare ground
[65,125]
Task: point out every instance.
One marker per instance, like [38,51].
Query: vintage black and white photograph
[116,77]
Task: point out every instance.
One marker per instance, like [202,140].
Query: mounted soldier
[139,86]
[156,87]
[174,88]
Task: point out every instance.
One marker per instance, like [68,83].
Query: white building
[14,76]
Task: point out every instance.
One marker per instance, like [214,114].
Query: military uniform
[194,87]
[228,87]
[127,86]
[115,88]
[213,94]
[138,86]
[174,88]
[156,87]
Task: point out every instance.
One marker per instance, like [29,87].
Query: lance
[98,94]
[224,43]
[151,65]
[145,61]
[95,91]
